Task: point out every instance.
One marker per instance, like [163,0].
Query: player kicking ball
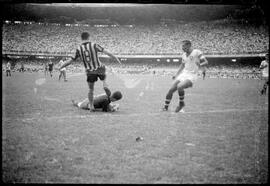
[192,61]
[101,102]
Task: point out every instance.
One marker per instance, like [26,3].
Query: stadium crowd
[215,37]
[213,71]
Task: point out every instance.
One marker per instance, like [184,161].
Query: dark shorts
[92,76]
[50,69]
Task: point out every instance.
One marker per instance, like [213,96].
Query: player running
[50,65]
[8,69]
[62,71]
[88,52]
[265,70]
[192,60]
[102,101]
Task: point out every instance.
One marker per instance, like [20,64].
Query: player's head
[186,45]
[85,36]
[117,95]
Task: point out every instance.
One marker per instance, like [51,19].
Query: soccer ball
[139,138]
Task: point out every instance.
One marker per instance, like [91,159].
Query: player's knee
[180,87]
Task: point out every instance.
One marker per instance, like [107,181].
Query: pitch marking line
[136,114]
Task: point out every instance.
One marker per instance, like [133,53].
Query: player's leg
[102,77]
[263,91]
[60,76]
[169,95]
[82,104]
[91,96]
[65,75]
[180,88]
[91,79]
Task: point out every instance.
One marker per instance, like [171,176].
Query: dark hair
[187,42]
[85,35]
[117,95]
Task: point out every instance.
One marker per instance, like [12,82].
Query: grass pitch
[221,138]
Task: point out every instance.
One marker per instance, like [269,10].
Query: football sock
[181,94]
[90,97]
[168,100]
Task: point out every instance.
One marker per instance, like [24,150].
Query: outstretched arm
[112,56]
[262,66]
[68,62]
[203,61]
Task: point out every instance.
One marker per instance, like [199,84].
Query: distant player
[88,52]
[102,102]
[62,71]
[46,68]
[192,60]
[50,65]
[21,68]
[265,70]
[8,69]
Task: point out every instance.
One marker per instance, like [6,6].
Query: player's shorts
[50,69]
[265,75]
[63,70]
[187,76]
[92,76]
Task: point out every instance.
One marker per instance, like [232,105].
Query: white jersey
[61,63]
[8,67]
[265,70]
[192,61]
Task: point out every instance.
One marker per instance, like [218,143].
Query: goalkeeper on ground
[102,101]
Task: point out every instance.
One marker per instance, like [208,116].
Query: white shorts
[187,76]
[265,75]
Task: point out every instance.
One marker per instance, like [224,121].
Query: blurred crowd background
[211,37]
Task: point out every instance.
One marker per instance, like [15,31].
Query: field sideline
[221,138]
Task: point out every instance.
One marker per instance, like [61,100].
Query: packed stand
[215,37]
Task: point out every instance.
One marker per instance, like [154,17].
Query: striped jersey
[88,52]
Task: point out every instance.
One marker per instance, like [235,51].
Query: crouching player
[101,102]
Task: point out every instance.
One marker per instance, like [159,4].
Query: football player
[62,71]
[265,70]
[101,102]
[88,52]
[187,74]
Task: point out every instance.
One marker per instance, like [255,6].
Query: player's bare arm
[68,62]
[203,61]
[262,66]
[112,56]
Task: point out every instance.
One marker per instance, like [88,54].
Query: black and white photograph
[135,92]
